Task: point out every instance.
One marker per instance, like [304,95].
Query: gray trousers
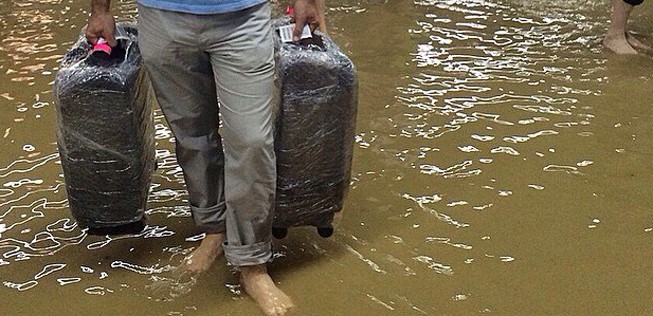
[193,61]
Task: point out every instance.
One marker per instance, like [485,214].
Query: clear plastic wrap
[105,134]
[315,132]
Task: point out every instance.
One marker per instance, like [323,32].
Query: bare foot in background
[203,257]
[259,285]
[616,37]
[619,45]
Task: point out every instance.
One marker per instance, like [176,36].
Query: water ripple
[49,269]
[26,165]
[434,265]
[66,281]
[21,287]
[439,215]
[375,267]
[155,269]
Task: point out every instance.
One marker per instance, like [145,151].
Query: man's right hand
[101,23]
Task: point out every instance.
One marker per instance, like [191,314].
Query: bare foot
[203,257]
[635,43]
[257,283]
[619,45]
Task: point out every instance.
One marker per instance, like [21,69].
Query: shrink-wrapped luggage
[315,132]
[105,134]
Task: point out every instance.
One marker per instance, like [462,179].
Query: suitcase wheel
[325,231]
[279,233]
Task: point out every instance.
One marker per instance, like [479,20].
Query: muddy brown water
[502,166]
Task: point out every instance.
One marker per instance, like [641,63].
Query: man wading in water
[195,53]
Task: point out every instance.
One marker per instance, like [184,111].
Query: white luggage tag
[121,34]
[285,32]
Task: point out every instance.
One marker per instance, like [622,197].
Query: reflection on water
[502,167]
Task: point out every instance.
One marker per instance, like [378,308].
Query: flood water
[502,166]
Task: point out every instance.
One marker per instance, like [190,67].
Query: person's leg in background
[617,38]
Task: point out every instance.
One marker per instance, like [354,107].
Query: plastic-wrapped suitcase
[105,134]
[315,132]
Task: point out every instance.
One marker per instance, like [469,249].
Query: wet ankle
[253,271]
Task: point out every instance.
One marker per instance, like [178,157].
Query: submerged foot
[203,257]
[259,285]
[619,45]
[635,43]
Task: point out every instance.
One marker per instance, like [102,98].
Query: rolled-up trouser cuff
[248,255]
[210,219]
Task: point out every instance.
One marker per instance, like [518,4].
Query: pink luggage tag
[101,46]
